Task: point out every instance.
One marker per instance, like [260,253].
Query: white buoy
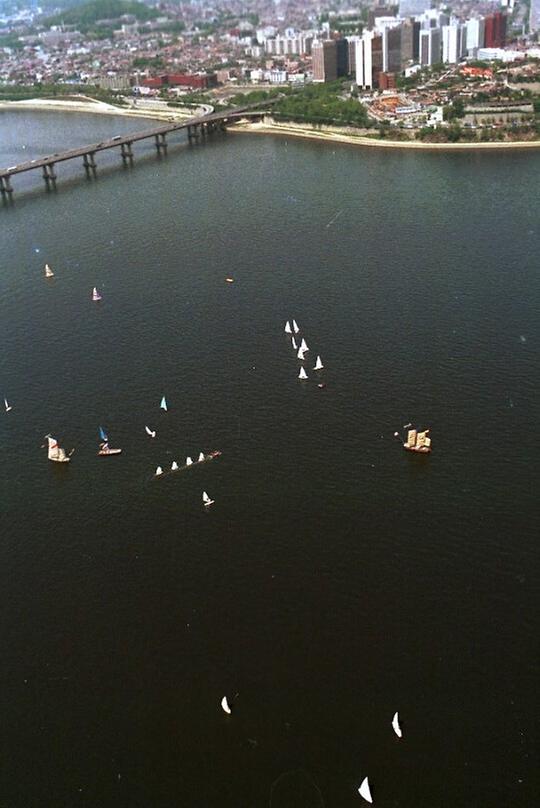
[225,705]
[365,791]
[396,726]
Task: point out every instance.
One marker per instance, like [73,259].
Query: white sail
[287,327]
[201,457]
[295,327]
[6,405]
[206,499]
[95,294]
[149,432]
[55,452]
[303,345]
[174,466]
[302,374]
[189,461]
[225,705]
[395,725]
[318,364]
[411,437]
[159,471]
[163,404]
[364,790]
[48,272]
[300,354]
[293,343]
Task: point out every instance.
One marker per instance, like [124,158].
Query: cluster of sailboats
[48,272]
[292,328]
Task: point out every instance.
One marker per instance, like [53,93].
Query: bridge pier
[5,187]
[89,163]
[193,132]
[49,176]
[127,153]
[161,142]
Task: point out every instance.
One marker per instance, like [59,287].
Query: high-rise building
[475,35]
[324,55]
[369,59]
[391,44]
[495,30]
[407,41]
[534,16]
[410,8]
[430,46]
[342,57]
[351,56]
[454,42]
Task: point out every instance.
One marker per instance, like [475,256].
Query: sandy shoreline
[334,136]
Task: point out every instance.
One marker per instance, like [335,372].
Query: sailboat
[288,327]
[149,432]
[104,448]
[55,452]
[293,343]
[302,374]
[163,404]
[365,791]
[6,405]
[303,345]
[159,471]
[300,354]
[207,502]
[318,364]
[201,458]
[189,461]
[174,466]
[295,327]
[396,727]
[48,272]
[95,294]
[225,705]
[418,441]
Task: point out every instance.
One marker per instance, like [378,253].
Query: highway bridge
[197,127]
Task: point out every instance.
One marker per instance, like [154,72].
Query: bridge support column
[193,132]
[89,163]
[161,142]
[127,153]
[49,176]
[5,187]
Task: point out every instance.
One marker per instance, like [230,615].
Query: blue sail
[103,434]
[163,404]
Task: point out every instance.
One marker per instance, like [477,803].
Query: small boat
[163,404]
[159,471]
[365,791]
[303,345]
[95,294]
[225,705]
[206,500]
[321,386]
[318,364]
[396,727]
[48,272]
[300,354]
[302,374]
[55,452]
[213,454]
[174,466]
[418,441]
[149,432]
[288,329]
[295,327]
[189,461]
[202,458]
[229,280]
[294,344]
[105,450]
[7,406]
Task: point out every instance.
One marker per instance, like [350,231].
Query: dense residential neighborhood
[459,70]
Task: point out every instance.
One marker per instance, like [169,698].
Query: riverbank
[85,104]
[347,135]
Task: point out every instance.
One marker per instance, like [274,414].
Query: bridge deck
[119,140]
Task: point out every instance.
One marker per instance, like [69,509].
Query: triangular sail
[103,434]
[53,448]
[174,466]
[295,327]
[396,726]
[95,294]
[365,791]
[201,457]
[48,271]
[302,374]
[163,404]
[287,327]
[318,364]
[300,354]
[159,471]
[189,461]
[303,345]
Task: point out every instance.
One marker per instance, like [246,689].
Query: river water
[337,578]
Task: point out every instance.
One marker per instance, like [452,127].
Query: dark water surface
[337,579]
